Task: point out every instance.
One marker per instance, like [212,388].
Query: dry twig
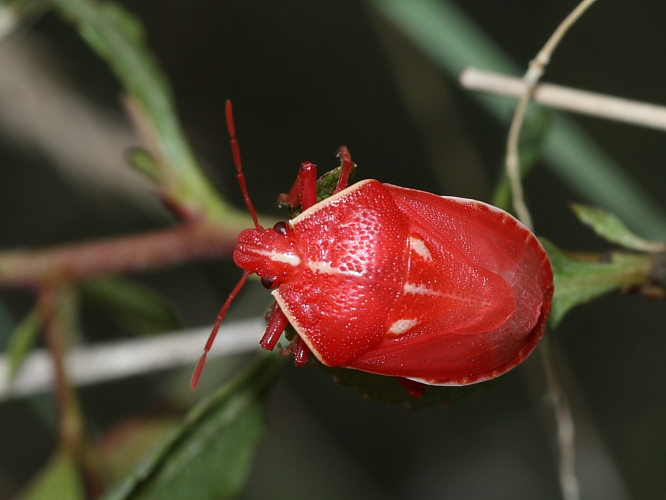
[568,99]
[557,394]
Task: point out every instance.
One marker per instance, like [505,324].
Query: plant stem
[531,78]
[72,263]
[569,99]
[565,424]
[71,426]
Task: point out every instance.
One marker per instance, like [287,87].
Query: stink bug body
[398,282]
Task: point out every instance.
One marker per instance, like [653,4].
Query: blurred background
[306,77]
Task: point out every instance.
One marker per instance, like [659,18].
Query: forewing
[356,258]
[472,297]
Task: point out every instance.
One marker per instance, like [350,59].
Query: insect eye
[268,282]
[281,227]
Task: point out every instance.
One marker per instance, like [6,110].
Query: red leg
[345,172]
[302,353]
[304,191]
[276,325]
[414,389]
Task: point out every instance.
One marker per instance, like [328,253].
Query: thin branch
[71,263]
[568,480]
[114,360]
[565,423]
[534,72]
[569,99]
[59,311]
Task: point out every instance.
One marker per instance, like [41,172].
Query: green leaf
[23,339]
[59,480]
[118,38]
[611,228]
[580,280]
[131,25]
[209,455]
[133,306]
[122,446]
[142,161]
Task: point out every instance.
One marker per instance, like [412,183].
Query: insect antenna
[241,180]
[239,166]
[211,338]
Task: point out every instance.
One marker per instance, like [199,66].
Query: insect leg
[302,353]
[345,172]
[276,324]
[413,388]
[304,191]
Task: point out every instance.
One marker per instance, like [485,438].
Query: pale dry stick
[104,361]
[563,417]
[534,72]
[568,99]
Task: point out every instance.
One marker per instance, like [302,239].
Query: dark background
[306,77]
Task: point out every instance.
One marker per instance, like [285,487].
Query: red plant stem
[71,263]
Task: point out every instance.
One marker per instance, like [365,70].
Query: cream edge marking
[294,323]
[505,216]
[473,379]
[318,206]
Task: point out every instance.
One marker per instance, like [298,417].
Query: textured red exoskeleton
[394,281]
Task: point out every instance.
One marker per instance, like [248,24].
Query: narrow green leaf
[59,480]
[142,161]
[611,228]
[23,339]
[123,446]
[129,24]
[208,456]
[118,38]
[578,280]
[133,306]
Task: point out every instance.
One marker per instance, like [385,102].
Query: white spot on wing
[418,289]
[403,326]
[323,267]
[423,290]
[419,246]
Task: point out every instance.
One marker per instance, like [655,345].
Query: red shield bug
[429,289]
